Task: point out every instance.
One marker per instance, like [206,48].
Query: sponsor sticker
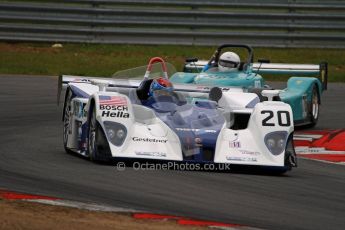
[257,84]
[196,130]
[146,139]
[209,88]
[151,154]
[79,111]
[235,144]
[78,80]
[112,100]
[198,142]
[245,152]
[113,106]
[251,159]
[119,114]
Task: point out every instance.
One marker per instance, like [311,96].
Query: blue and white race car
[148,118]
[303,92]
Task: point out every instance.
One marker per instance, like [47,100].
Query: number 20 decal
[280,114]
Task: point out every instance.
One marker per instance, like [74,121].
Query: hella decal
[118,114]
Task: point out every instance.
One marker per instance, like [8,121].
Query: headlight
[111,133]
[281,143]
[116,132]
[271,143]
[120,133]
[276,142]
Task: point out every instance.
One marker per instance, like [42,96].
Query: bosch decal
[113,106]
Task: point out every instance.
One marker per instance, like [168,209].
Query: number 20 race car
[117,118]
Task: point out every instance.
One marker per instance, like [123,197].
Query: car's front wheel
[66,119]
[290,154]
[290,159]
[98,146]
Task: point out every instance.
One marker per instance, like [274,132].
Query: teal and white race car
[304,87]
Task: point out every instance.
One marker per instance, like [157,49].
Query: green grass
[104,60]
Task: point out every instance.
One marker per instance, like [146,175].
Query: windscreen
[139,72]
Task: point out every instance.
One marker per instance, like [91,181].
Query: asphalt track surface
[32,160]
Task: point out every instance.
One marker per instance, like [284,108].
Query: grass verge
[104,60]
[26,215]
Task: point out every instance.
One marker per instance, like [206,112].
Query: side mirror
[215,94]
[264,61]
[191,60]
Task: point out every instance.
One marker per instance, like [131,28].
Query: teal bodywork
[240,79]
[298,93]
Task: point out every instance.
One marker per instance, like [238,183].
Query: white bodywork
[247,146]
[149,137]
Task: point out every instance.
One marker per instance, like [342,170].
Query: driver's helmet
[228,61]
[161,84]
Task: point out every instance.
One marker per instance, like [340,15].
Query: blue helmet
[160,84]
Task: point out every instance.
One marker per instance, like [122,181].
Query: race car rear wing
[320,71]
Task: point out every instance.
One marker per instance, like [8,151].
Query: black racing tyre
[314,107]
[290,158]
[290,154]
[98,149]
[66,119]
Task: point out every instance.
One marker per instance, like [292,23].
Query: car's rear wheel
[314,108]
[98,147]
